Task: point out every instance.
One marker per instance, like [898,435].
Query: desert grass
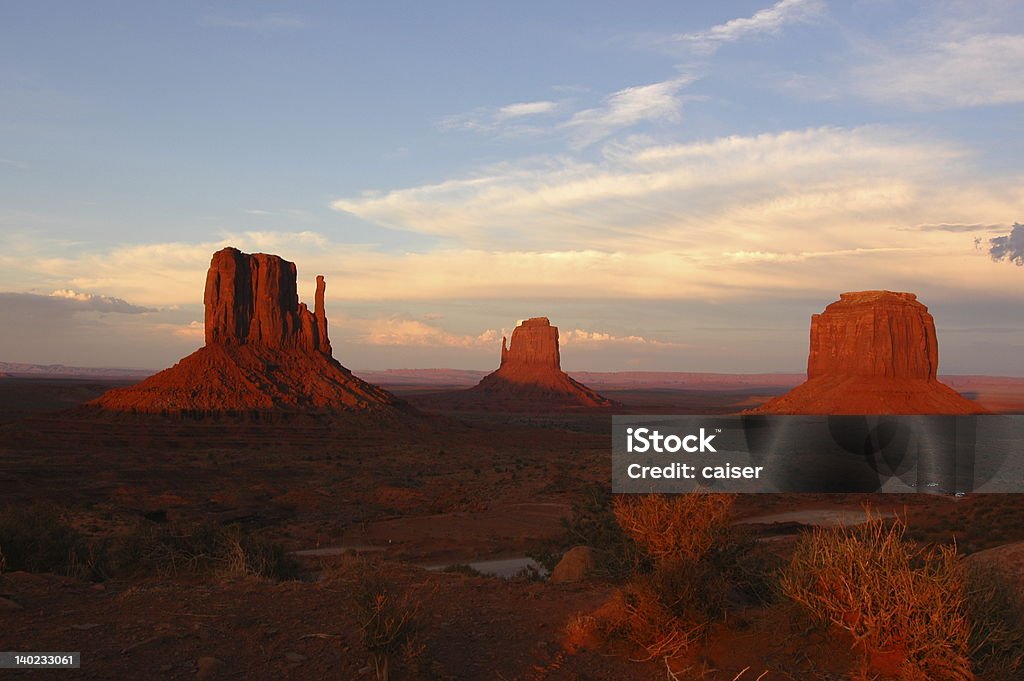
[388,617]
[197,548]
[995,607]
[40,538]
[689,561]
[675,528]
[905,607]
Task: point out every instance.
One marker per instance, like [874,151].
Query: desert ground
[449,508]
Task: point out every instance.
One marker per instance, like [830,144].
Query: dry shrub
[388,620]
[996,611]
[194,548]
[582,632]
[691,564]
[39,537]
[676,528]
[655,622]
[904,606]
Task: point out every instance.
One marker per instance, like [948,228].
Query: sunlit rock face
[264,351]
[872,352]
[531,373]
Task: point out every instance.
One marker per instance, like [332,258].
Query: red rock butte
[872,352]
[530,374]
[264,351]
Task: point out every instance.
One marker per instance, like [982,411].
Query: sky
[677,185]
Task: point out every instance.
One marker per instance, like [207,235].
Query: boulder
[577,563]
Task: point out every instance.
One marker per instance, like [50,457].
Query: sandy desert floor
[445,489]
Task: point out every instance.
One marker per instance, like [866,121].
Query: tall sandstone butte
[872,352]
[264,351]
[530,375]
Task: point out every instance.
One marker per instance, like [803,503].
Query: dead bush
[40,538]
[192,548]
[674,528]
[904,606]
[996,611]
[388,620]
[692,564]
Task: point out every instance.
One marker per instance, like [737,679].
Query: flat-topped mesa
[252,300]
[874,333]
[872,352]
[534,347]
[265,351]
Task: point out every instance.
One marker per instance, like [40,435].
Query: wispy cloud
[526,109]
[413,332]
[959,228]
[583,337]
[768,21]
[644,194]
[264,22]
[948,55]
[511,119]
[946,71]
[654,103]
[756,217]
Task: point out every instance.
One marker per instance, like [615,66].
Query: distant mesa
[530,376]
[872,352]
[264,351]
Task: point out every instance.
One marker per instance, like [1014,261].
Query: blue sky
[678,185]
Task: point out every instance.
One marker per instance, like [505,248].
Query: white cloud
[526,109]
[574,337]
[657,102]
[98,303]
[397,331]
[948,55]
[741,216]
[766,21]
[505,120]
[680,195]
[194,330]
[946,71]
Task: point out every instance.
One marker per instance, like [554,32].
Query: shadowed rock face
[264,350]
[252,299]
[872,352]
[530,375]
